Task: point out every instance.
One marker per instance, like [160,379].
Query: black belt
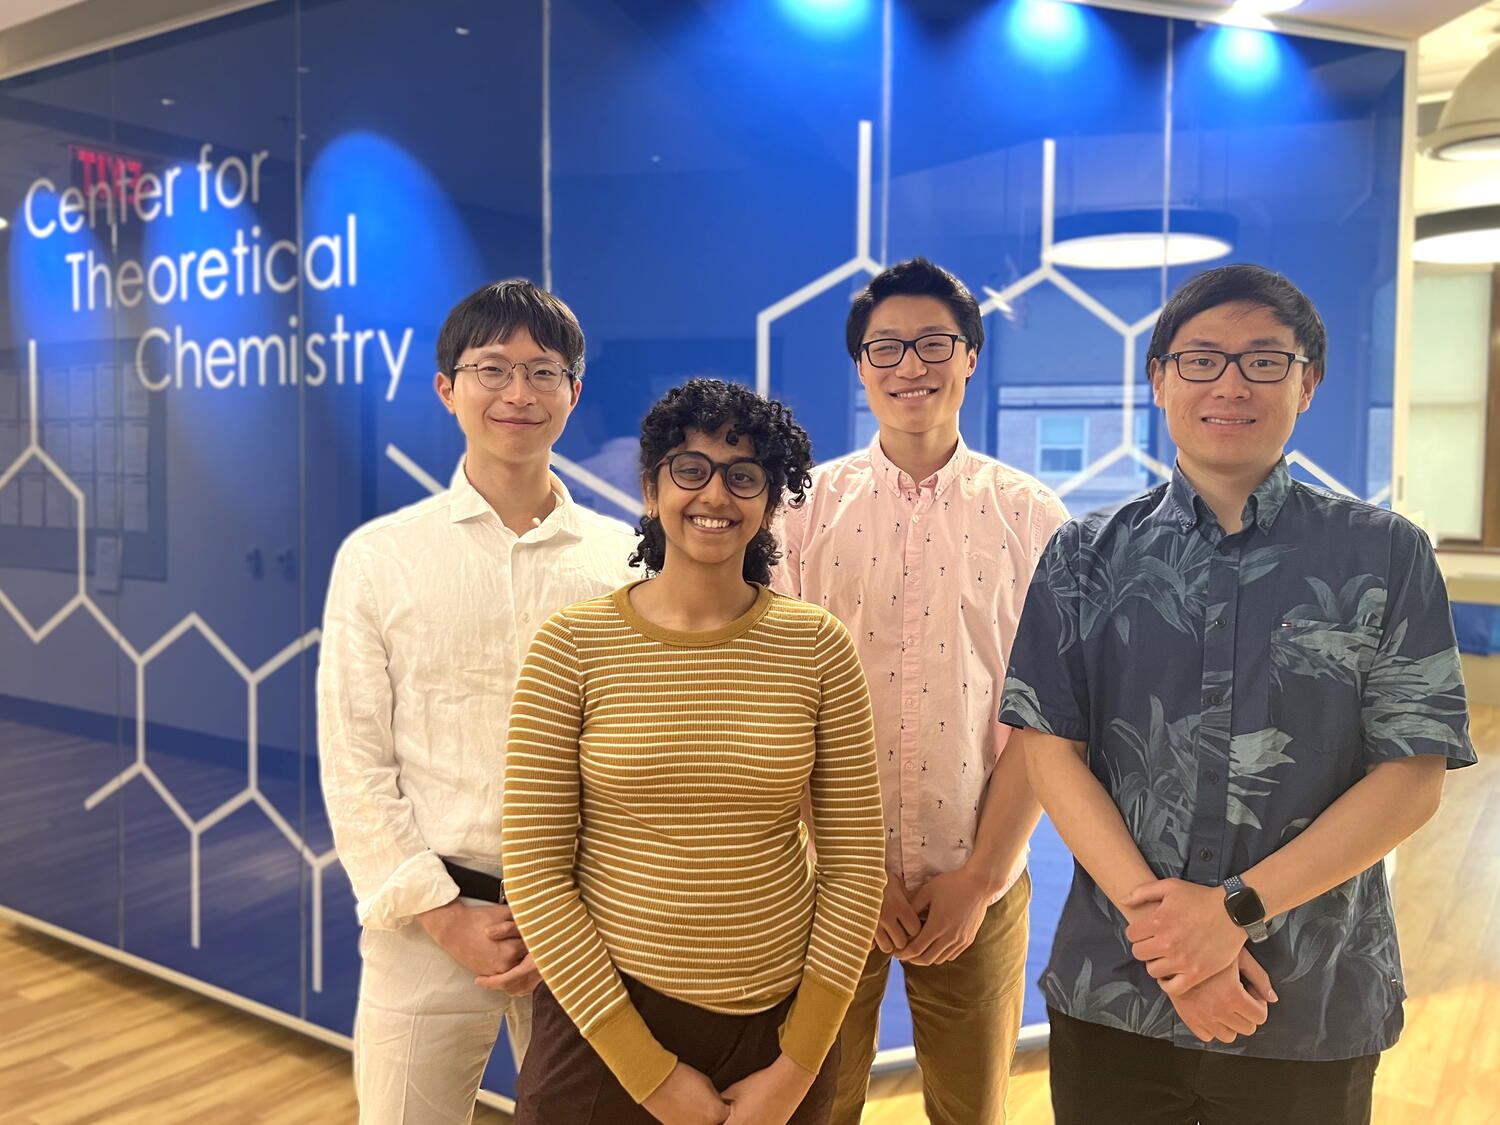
[475,884]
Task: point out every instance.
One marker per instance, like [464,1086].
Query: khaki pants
[423,1031]
[965,1018]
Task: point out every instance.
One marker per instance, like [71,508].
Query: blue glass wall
[208,381]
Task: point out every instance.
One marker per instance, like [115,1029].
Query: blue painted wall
[704,165]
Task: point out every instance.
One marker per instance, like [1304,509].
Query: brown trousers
[564,1081]
[965,1017]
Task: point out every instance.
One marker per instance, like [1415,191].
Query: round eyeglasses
[936,347]
[743,477]
[1204,365]
[495,374]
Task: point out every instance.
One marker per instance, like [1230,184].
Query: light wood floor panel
[85,1040]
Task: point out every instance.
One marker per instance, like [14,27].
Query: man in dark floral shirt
[1236,694]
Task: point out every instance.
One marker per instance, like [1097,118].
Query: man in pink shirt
[925,549]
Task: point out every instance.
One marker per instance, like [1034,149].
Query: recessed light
[169,101]
[460,31]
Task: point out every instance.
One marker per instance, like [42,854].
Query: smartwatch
[1245,908]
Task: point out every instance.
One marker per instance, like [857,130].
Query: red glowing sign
[107,172]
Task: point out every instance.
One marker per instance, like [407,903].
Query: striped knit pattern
[652,790]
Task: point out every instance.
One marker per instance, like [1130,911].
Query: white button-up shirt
[429,615]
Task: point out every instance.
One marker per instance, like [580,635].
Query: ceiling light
[826,17]
[1132,240]
[1048,32]
[4,222]
[1468,236]
[1469,128]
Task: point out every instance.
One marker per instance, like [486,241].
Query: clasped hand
[1187,937]
[937,923]
[1194,949]
[484,940]
[767,1097]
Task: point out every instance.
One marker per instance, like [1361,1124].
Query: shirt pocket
[1317,680]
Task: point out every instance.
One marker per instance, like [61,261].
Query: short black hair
[708,405]
[490,314]
[915,277]
[1251,284]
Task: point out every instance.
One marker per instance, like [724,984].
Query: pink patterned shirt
[930,577]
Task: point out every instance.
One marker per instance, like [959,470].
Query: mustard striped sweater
[652,789]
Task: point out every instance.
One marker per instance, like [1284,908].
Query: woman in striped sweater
[696,963]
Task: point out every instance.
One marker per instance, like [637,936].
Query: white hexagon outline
[251,793]
[1000,300]
[34,449]
[862,261]
[141,767]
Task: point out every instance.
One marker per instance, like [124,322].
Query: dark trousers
[564,1081]
[1101,1074]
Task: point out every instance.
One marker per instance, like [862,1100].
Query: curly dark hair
[707,405]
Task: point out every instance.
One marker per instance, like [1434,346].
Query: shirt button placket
[1211,827]
[912,584]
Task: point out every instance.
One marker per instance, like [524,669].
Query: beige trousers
[965,1017]
[423,1031]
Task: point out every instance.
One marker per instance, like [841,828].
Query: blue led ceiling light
[1048,32]
[1247,59]
[826,17]
[1134,240]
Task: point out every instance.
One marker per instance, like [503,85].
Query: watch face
[1244,907]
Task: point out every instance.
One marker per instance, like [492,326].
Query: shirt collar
[1270,495]
[1188,508]
[899,479]
[465,503]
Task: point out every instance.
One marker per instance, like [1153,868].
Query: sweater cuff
[813,1023]
[631,1052]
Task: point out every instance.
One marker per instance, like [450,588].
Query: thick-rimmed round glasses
[936,347]
[743,477]
[1204,365]
[495,375]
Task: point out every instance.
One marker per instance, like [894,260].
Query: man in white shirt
[430,612]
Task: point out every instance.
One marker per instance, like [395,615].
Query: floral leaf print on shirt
[1230,688]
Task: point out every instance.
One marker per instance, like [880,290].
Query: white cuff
[421,883]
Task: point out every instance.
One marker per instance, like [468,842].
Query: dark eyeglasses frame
[1234,358]
[510,375]
[722,467]
[953,338]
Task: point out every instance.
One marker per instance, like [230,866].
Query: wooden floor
[85,1040]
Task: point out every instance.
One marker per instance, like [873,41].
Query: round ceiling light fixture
[1469,128]
[1468,236]
[1136,240]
